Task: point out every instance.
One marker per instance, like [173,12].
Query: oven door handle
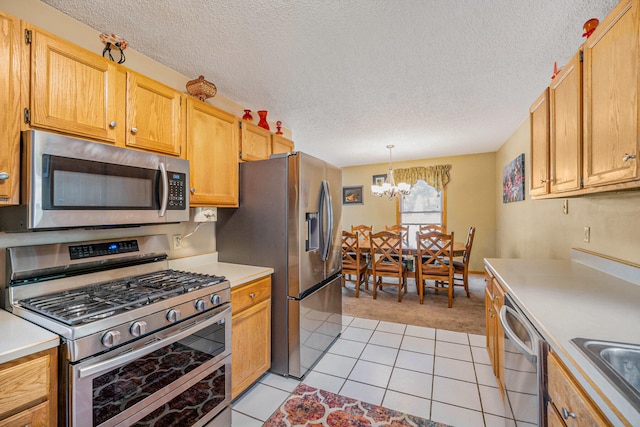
[185,329]
[529,353]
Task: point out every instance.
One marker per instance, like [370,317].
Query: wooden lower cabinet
[28,390]
[494,300]
[569,405]
[250,333]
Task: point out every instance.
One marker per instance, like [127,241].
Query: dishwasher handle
[530,353]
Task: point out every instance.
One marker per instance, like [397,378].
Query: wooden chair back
[364,230]
[403,230]
[467,247]
[430,228]
[386,247]
[350,249]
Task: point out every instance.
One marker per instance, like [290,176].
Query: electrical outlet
[177,241]
[565,207]
[587,234]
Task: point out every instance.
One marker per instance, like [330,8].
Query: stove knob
[200,305]
[215,299]
[138,328]
[173,315]
[111,338]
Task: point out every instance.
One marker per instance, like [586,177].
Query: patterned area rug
[309,406]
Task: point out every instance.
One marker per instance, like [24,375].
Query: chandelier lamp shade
[389,187]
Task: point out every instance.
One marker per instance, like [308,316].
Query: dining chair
[403,230]
[461,268]
[353,261]
[429,228]
[434,259]
[364,230]
[386,261]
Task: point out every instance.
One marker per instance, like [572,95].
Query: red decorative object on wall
[263,119]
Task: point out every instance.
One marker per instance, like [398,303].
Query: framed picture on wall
[513,180]
[352,195]
[379,179]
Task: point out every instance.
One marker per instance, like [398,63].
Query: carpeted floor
[310,406]
[466,315]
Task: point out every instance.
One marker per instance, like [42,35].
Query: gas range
[137,338]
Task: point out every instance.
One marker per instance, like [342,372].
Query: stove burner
[101,300]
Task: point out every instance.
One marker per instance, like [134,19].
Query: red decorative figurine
[278,126]
[247,116]
[263,119]
[590,26]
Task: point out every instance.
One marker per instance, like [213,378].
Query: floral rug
[309,406]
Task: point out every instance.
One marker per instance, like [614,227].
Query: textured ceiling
[435,78]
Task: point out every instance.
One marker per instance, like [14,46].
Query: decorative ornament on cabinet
[590,26]
[247,116]
[263,119]
[110,40]
[555,70]
[201,89]
[279,127]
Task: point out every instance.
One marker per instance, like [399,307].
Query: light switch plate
[587,234]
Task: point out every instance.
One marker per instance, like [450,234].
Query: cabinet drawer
[568,397]
[250,294]
[36,417]
[24,383]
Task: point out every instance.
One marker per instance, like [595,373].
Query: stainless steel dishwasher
[524,364]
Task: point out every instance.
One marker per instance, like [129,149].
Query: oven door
[181,375]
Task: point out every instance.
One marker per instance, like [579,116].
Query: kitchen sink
[618,362]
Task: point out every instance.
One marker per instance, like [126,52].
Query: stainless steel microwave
[69,183]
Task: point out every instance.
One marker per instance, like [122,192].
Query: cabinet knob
[3,176]
[193,190]
[566,414]
[112,124]
[628,157]
[134,130]
[252,295]
[544,181]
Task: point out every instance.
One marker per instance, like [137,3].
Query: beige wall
[539,229]
[470,196]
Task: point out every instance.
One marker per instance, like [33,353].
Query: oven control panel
[101,249]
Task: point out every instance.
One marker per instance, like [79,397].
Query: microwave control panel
[177,191]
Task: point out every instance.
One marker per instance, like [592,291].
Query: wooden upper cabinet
[72,90]
[212,150]
[280,144]
[255,142]
[10,42]
[611,131]
[154,116]
[565,101]
[539,117]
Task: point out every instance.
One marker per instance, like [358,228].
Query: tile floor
[437,374]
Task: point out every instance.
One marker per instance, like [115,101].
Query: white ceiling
[435,78]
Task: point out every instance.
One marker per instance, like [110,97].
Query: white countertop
[567,299]
[237,274]
[21,337]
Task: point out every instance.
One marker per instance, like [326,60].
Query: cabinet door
[498,302]
[72,90]
[212,150]
[491,327]
[255,142]
[565,101]
[611,98]
[568,397]
[250,346]
[280,144]
[36,416]
[9,109]
[539,117]
[154,116]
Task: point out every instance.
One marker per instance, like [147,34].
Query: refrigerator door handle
[325,204]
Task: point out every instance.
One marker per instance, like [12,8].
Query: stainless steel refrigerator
[289,219]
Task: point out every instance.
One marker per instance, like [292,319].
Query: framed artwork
[352,195]
[513,180]
[379,179]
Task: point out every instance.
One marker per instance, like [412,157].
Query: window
[424,205]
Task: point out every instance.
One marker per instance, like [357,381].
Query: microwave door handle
[164,194]
[529,353]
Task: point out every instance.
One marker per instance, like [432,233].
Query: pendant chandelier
[389,187]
